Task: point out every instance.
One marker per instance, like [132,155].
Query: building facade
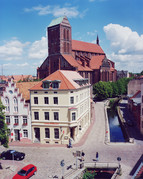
[135,101]
[17,113]
[60,108]
[16,99]
[88,59]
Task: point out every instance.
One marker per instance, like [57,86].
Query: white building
[60,108]
[17,111]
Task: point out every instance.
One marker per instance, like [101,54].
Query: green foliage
[89,174]
[104,90]
[3,127]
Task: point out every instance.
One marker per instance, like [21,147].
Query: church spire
[97,40]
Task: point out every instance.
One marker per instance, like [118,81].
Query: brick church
[88,59]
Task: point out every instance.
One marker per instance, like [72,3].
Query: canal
[116,134]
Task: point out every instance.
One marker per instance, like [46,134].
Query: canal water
[116,134]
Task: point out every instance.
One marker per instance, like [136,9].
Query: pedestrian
[97,156]
[70,143]
[82,155]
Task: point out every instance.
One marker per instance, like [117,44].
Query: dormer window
[46,83]
[55,84]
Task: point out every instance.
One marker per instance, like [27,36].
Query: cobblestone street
[47,158]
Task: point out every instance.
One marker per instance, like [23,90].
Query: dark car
[26,172]
[130,123]
[12,155]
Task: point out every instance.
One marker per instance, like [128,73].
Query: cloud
[57,11]
[23,58]
[123,39]
[126,47]
[38,49]
[12,49]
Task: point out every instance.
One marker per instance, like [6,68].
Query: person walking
[97,156]
[82,155]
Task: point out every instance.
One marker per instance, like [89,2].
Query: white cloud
[57,11]
[12,49]
[126,46]
[39,49]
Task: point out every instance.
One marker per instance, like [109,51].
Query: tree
[3,127]
[102,90]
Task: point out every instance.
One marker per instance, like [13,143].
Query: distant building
[60,108]
[17,78]
[88,59]
[135,101]
[122,74]
[16,98]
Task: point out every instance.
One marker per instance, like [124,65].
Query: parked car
[12,155]
[130,123]
[26,172]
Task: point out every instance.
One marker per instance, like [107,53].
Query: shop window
[56,133]
[47,133]
[25,133]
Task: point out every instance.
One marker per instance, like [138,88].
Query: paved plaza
[47,158]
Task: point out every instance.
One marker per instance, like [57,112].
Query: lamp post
[119,159]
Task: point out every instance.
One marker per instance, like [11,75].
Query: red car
[26,172]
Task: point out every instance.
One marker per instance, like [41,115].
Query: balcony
[8,123]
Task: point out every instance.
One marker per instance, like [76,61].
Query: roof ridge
[66,78]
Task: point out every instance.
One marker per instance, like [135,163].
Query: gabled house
[60,107]
[15,97]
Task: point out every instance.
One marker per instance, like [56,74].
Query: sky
[23,31]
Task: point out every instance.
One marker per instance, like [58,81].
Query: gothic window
[67,34]
[65,47]
[68,47]
[64,34]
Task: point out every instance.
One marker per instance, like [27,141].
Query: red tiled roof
[24,88]
[87,47]
[64,76]
[76,64]
[20,77]
[96,61]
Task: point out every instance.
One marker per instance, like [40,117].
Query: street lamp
[119,159]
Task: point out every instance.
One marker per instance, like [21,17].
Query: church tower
[59,37]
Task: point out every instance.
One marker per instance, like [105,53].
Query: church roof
[86,47]
[66,77]
[74,63]
[56,21]
[96,61]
